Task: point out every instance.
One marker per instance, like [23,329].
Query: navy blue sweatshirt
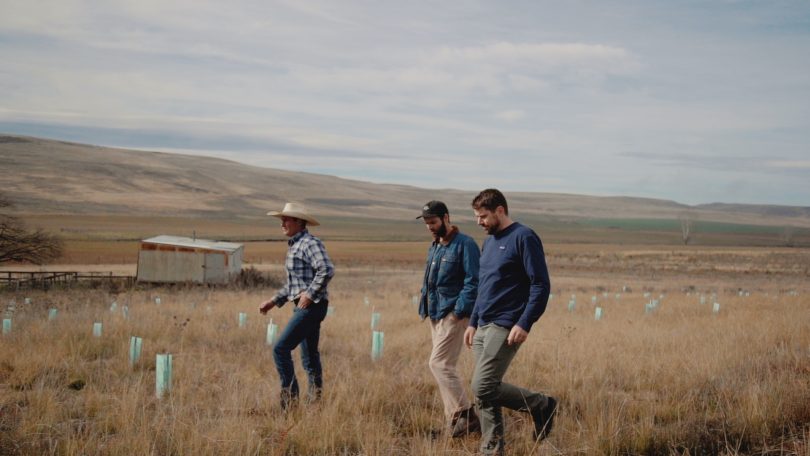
[513,282]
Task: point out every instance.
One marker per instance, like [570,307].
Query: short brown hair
[490,199]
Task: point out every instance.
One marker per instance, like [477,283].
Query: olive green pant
[492,358]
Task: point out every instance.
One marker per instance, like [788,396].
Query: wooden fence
[48,279]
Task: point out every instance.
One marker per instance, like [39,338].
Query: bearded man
[449,289]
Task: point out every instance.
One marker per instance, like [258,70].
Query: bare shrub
[18,244]
[253,278]
[686,227]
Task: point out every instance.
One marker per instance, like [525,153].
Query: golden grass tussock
[680,380]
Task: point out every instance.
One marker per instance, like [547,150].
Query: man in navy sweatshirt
[513,290]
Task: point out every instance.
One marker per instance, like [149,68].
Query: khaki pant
[448,338]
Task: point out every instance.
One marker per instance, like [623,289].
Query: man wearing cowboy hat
[309,271]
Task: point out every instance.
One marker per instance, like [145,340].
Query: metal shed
[182,259]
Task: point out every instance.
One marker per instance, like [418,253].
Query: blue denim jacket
[451,278]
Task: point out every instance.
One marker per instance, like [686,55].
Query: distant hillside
[52,177]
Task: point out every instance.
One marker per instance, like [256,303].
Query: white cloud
[548,86]
[491,69]
[510,115]
[789,164]
[541,57]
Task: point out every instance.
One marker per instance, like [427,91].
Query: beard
[441,232]
[492,229]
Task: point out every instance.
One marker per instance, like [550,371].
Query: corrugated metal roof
[194,243]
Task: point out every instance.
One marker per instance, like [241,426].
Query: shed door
[215,268]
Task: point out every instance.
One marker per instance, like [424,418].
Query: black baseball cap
[434,209]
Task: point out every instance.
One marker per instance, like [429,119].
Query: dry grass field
[681,380]
[131,228]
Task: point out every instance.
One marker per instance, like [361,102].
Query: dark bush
[253,278]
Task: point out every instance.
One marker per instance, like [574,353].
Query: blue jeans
[303,329]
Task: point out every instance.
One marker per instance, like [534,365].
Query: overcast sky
[694,101]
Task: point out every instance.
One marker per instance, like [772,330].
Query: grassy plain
[681,380]
[88,227]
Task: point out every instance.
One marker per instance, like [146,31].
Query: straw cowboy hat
[297,211]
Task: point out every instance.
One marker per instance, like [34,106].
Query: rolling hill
[52,177]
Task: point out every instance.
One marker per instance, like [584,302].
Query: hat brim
[299,215]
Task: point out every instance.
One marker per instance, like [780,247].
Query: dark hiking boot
[465,423]
[544,419]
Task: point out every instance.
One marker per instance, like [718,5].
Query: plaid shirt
[309,269]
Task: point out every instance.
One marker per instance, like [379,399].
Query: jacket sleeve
[469,291]
[534,262]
